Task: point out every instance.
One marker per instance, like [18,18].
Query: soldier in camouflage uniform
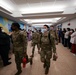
[19,45]
[54,33]
[47,45]
[35,40]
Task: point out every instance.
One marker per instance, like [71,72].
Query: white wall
[72,24]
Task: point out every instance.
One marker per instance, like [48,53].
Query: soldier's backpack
[35,36]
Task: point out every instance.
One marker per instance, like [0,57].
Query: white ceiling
[19,8]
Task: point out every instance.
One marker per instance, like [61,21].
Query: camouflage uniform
[54,34]
[20,46]
[35,39]
[47,45]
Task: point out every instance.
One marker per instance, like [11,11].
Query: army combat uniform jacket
[19,41]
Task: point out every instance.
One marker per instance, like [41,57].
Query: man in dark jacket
[4,47]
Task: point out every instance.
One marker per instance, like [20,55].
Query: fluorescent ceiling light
[27,20]
[57,18]
[6,5]
[40,24]
[41,9]
[42,20]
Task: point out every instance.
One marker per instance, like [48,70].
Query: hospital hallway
[65,64]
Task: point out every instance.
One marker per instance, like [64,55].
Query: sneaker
[46,70]
[74,54]
[7,64]
[18,73]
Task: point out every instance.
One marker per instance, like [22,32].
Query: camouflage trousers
[46,56]
[18,59]
[33,49]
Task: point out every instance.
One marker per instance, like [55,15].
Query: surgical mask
[44,30]
[51,28]
[34,30]
[2,30]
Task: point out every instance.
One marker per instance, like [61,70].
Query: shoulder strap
[40,38]
[49,36]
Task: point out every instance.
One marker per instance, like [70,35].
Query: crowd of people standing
[67,37]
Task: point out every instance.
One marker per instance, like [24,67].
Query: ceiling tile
[20,2]
[33,1]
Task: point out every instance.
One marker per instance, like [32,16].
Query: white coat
[73,38]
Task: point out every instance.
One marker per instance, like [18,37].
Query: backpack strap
[40,38]
[49,37]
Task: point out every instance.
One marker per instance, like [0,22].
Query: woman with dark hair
[70,44]
[47,44]
[59,34]
[69,37]
[62,35]
[72,30]
[66,37]
[4,47]
[73,42]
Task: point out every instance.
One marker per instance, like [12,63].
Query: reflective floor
[65,65]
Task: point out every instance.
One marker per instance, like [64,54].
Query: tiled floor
[65,65]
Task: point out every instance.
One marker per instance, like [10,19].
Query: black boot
[32,55]
[44,64]
[31,61]
[6,64]
[9,58]
[46,70]
[19,72]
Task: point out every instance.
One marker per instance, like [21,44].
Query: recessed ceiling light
[41,24]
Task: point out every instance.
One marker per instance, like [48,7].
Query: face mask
[34,30]
[2,30]
[44,30]
[51,28]
[71,31]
